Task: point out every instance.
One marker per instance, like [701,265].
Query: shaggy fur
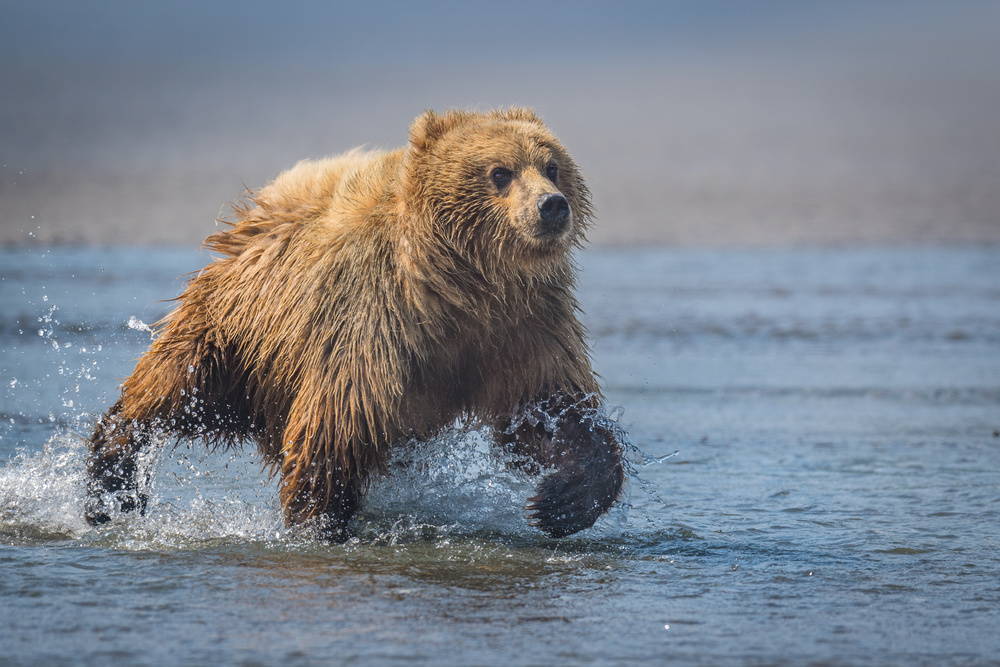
[365,299]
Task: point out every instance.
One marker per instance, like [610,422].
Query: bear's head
[497,187]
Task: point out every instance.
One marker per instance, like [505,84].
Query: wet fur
[368,298]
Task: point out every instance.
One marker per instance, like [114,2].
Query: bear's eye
[552,171]
[501,177]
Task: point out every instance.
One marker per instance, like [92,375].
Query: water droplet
[137,324]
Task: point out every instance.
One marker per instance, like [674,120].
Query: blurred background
[711,123]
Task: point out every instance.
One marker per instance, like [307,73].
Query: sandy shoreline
[802,147]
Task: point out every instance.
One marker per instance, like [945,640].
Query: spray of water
[457,483]
[39,492]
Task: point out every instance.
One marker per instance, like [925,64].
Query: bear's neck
[439,280]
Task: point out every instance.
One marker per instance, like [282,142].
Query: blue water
[834,499]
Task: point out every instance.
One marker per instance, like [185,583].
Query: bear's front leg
[113,469]
[566,433]
[320,499]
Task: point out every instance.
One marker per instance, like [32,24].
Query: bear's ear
[430,126]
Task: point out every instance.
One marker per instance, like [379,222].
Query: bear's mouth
[546,231]
[545,242]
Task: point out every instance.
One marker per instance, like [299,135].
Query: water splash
[41,492]
[457,483]
[137,324]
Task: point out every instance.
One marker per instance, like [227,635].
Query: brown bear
[366,299]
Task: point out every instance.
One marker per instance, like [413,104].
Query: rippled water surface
[835,497]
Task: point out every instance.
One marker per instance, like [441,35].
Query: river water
[834,497]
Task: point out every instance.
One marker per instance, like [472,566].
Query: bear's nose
[554,211]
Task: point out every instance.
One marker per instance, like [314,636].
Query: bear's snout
[553,210]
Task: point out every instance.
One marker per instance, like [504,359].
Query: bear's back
[326,197]
[333,191]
